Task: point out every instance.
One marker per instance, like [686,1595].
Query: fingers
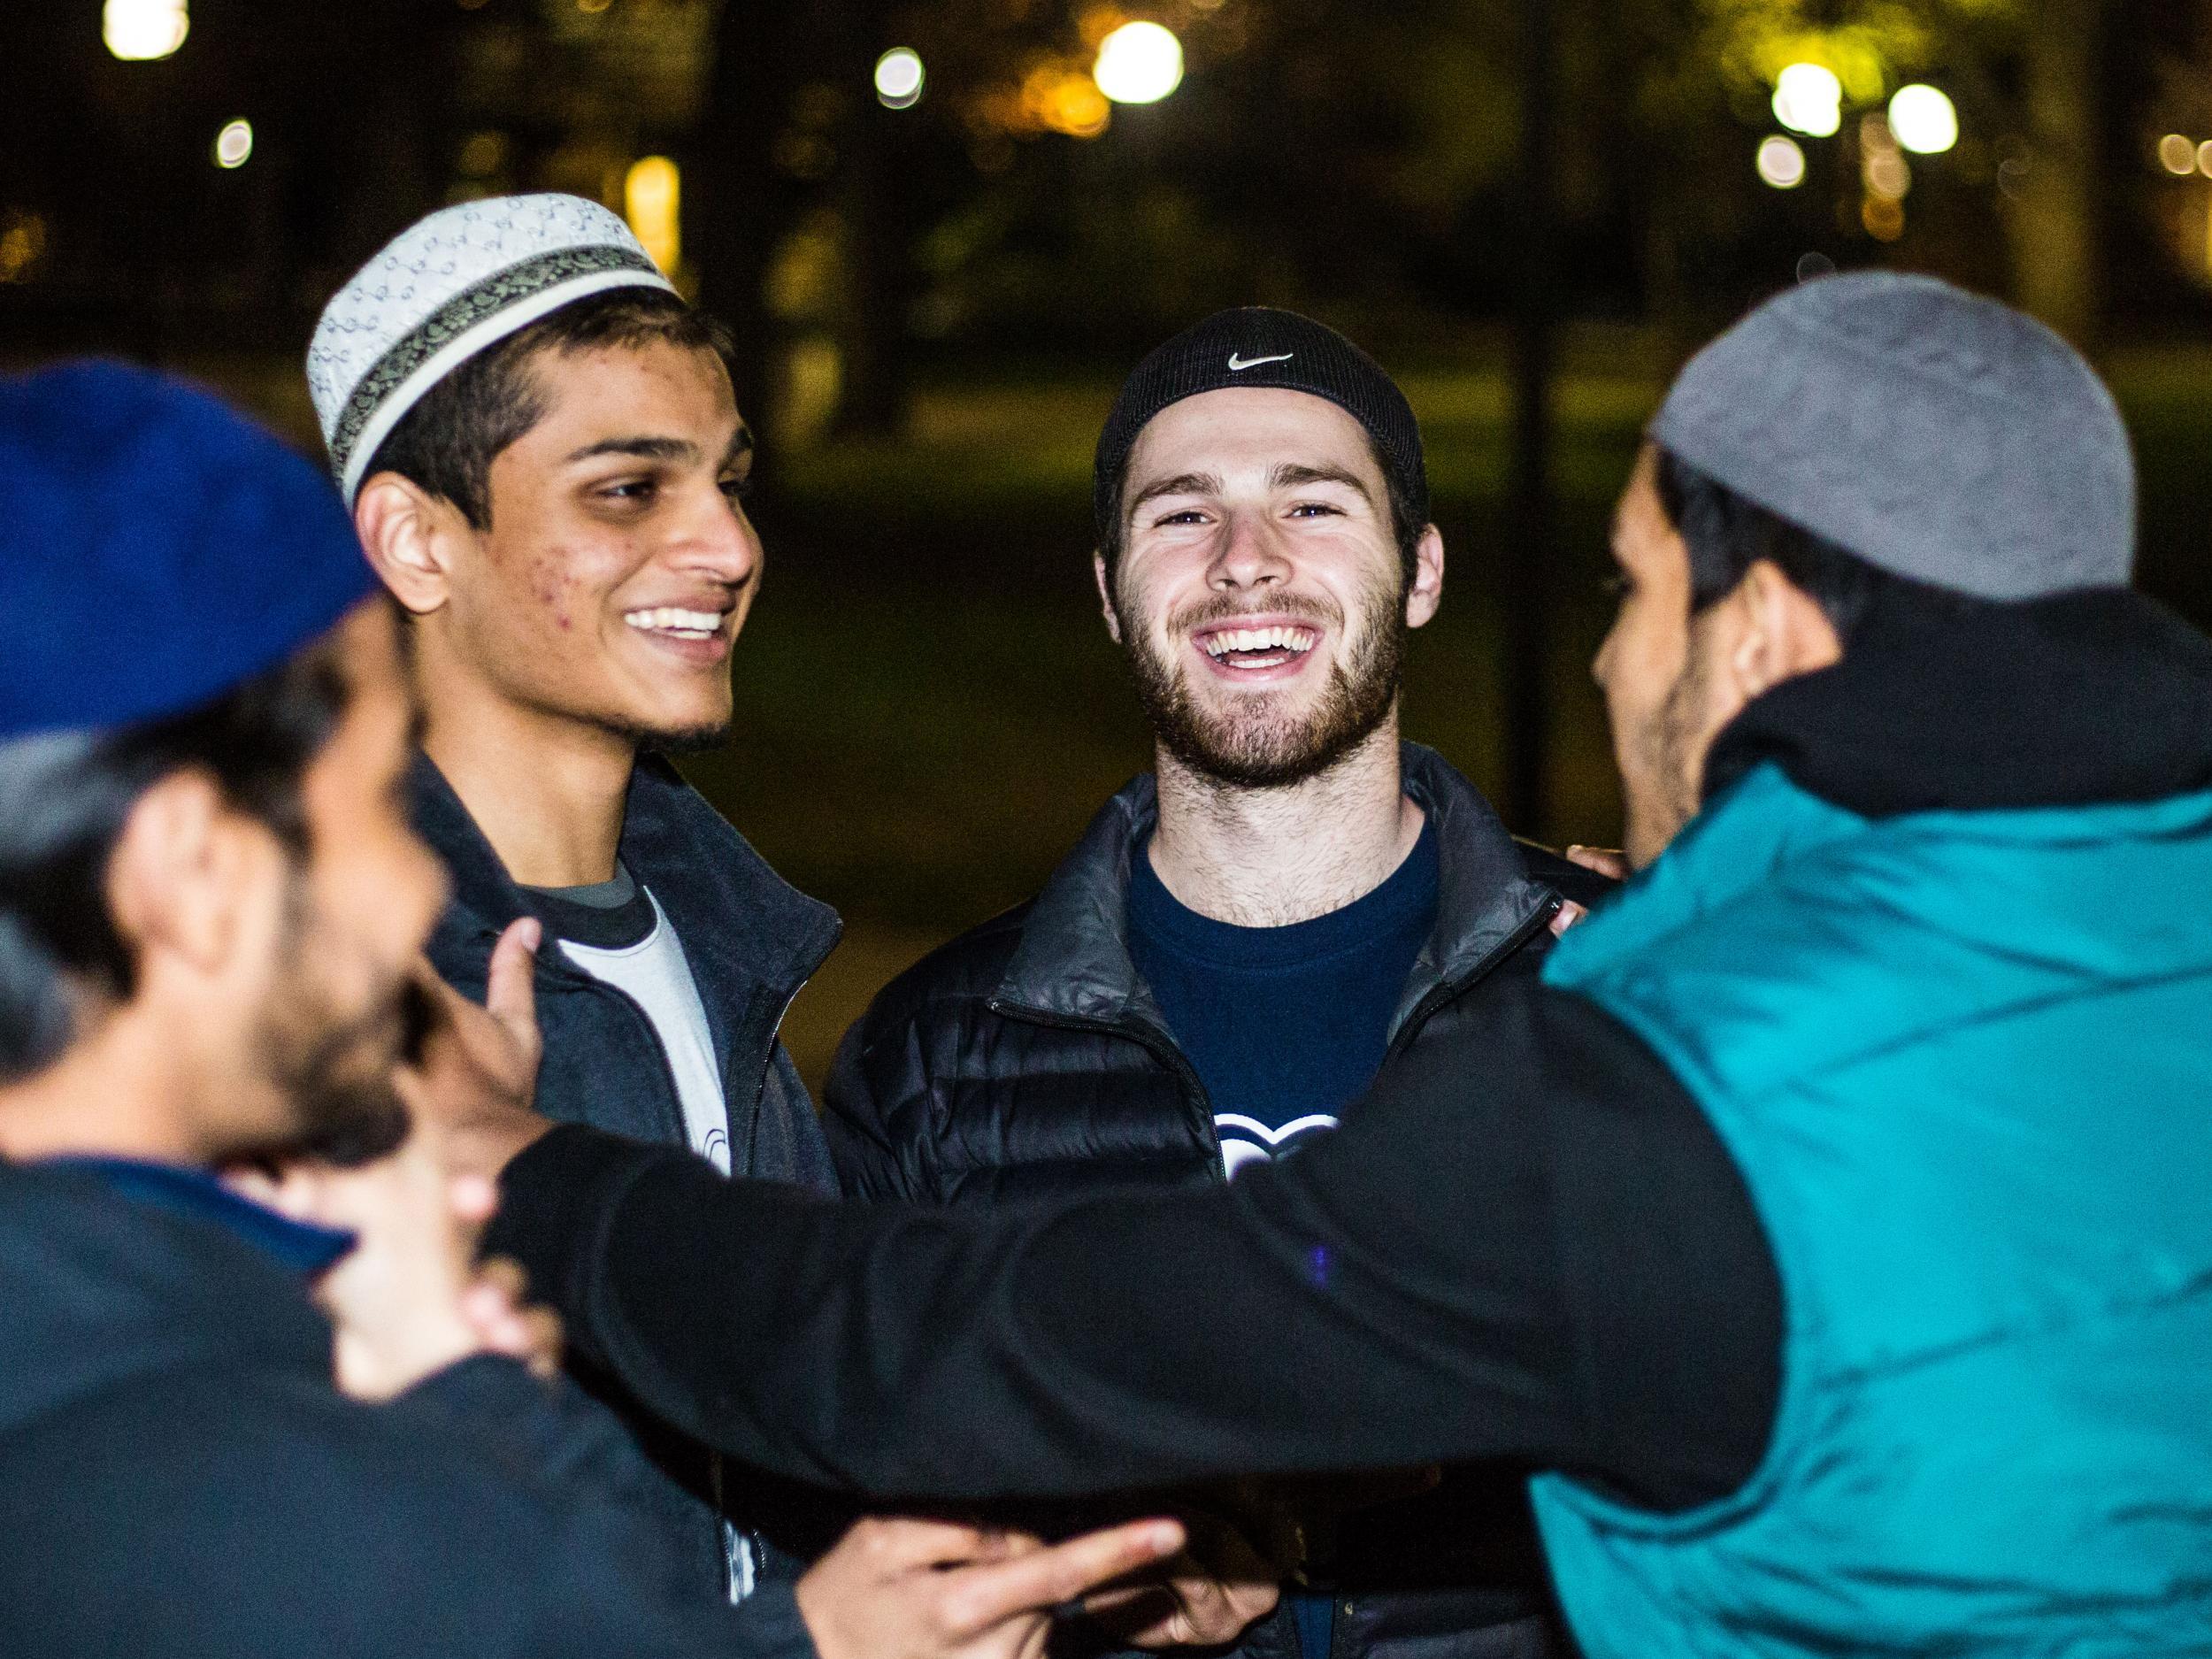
[984,1596]
[495,1309]
[1569,914]
[1603,860]
[511,993]
[906,1543]
[474,1198]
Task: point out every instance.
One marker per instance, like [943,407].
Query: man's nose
[719,541]
[1248,555]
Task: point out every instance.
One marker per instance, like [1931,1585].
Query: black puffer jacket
[1027,1060]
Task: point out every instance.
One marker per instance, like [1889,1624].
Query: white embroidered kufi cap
[460,280]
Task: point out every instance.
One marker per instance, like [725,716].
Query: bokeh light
[140,31]
[1139,63]
[899,78]
[1059,100]
[1923,119]
[2176,154]
[652,200]
[233,144]
[1808,99]
[1780,162]
[2204,158]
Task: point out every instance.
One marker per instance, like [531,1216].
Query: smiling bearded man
[1239,939]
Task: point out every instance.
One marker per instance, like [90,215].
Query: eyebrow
[1291,473]
[1182,484]
[644,448]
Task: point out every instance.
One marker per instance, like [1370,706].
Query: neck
[1267,857]
[546,790]
[108,1097]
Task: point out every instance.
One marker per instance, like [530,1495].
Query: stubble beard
[1252,746]
[336,1069]
[1676,760]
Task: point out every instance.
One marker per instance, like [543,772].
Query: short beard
[1679,745]
[336,1072]
[1275,752]
[689,740]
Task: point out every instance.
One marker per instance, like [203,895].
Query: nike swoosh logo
[1237,364]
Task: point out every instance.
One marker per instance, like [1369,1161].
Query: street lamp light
[1923,119]
[234,145]
[899,78]
[1780,162]
[140,31]
[1808,99]
[1139,63]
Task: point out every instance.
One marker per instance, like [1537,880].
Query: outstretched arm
[1525,1243]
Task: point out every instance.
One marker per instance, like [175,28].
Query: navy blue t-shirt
[1284,1025]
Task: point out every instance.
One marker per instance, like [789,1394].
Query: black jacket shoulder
[179,1476]
[1026,1058]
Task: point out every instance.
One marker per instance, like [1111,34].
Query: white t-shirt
[654,974]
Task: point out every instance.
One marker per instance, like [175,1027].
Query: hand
[1207,1596]
[1603,860]
[400,1301]
[1598,859]
[898,1588]
[477,1072]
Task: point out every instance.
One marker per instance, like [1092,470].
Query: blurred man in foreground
[1829,1223]
[1243,934]
[210,911]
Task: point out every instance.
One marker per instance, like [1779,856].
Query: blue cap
[157,549]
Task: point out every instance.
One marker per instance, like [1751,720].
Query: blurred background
[944,229]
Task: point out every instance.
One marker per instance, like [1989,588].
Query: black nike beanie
[1255,346]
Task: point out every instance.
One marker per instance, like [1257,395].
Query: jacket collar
[1942,702]
[1074,962]
[741,923]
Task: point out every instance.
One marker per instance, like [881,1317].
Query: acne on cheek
[549,582]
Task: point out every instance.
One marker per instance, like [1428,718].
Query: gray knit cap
[1939,435]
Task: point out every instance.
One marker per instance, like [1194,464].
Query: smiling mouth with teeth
[678,623]
[1259,647]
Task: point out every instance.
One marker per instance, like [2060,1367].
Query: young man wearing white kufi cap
[544,458]
[546,464]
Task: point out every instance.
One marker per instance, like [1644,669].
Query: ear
[185,874]
[1785,634]
[409,536]
[1106,597]
[1427,592]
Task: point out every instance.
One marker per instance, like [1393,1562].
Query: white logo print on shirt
[1248,1140]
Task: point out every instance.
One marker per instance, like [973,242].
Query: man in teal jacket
[1830,1230]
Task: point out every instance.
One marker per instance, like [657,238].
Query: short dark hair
[63,801]
[1727,534]
[1408,517]
[446,443]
